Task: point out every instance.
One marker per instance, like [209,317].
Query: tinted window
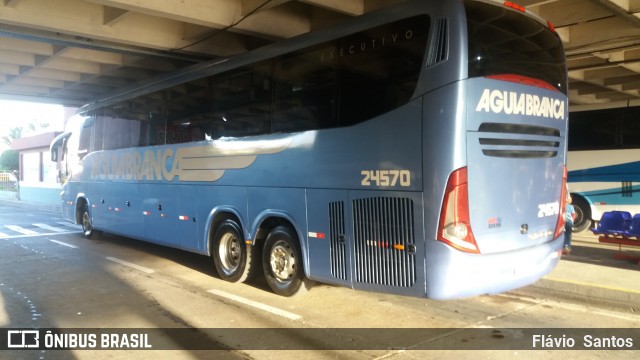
[380,68]
[122,131]
[242,102]
[631,128]
[504,41]
[606,129]
[337,83]
[593,129]
[306,94]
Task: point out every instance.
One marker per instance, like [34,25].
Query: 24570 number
[386,178]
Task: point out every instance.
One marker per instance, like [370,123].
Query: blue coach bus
[604,165]
[418,150]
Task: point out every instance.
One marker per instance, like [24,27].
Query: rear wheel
[232,257]
[282,263]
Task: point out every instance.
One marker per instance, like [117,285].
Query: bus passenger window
[242,102]
[305,91]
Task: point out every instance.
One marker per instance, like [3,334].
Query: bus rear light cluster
[454,227]
[563,205]
[521,79]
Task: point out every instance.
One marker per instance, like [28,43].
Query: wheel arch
[215,218]
[81,200]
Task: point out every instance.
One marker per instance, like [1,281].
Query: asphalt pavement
[594,274]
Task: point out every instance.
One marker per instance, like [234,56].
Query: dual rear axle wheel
[281,260]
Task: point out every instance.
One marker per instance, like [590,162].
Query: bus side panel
[607,179]
[169,215]
[99,207]
[68,195]
[382,153]
[127,209]
[329,250]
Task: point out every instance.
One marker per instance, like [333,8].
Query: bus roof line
[216,66]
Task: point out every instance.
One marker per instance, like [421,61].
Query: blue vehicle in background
[604,162]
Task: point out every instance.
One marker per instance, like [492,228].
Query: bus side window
[306,90]
[242,101]
[377,79]
[157,127]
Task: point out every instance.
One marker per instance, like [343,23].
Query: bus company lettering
[513,103]
[185,164]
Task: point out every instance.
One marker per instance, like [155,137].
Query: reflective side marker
[316,235]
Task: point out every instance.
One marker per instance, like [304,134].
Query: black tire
[232,257]
[282,263]
[583,214]
[86,221]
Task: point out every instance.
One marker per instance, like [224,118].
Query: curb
[48,208]
[583,293]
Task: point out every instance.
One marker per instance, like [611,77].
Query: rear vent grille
[439,49]
[337,240]
[384,243]
[519,141]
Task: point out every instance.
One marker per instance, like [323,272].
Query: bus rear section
[501,224]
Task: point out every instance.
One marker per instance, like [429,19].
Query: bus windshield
[501,41]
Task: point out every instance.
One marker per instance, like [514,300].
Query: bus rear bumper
[455,274]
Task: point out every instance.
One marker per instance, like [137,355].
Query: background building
[38,176]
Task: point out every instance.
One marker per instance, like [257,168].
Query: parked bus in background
[604,160]
[418,150]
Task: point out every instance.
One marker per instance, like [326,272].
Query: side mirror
[57,144]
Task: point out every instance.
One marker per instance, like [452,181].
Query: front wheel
[87,224]
[282,263]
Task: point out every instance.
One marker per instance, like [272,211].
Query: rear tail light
[454,227]
[563,205]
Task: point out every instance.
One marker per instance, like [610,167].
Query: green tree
[9,161]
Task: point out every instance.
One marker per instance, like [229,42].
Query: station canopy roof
[74,51]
